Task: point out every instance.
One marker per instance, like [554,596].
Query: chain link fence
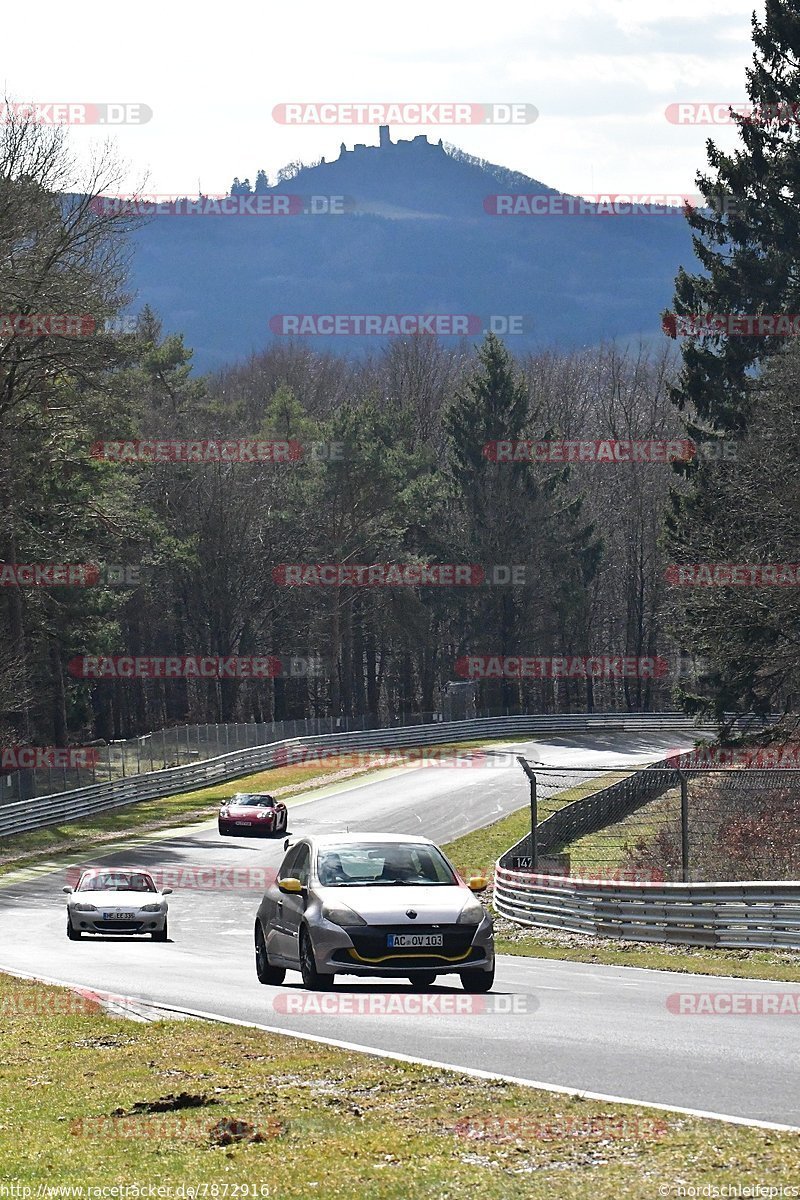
[663,825]
[181,746]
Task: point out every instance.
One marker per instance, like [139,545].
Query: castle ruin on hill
[386,143]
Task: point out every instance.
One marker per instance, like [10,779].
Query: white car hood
[387,905]
[116,900]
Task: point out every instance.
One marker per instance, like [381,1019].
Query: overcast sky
[600,72]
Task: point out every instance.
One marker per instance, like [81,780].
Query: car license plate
[248,823]
[409,941]
[117,916]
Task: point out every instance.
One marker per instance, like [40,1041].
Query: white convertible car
[117,900]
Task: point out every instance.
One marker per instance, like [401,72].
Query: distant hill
[418,239]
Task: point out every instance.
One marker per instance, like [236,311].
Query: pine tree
[748,239]
[515,514]
[748,247]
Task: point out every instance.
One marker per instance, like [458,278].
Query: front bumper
[363,950]
[257,829]
[139,923]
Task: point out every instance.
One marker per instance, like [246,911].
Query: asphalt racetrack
[607,1030]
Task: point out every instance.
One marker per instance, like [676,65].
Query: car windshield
[383,865]
[244,801]
[117,881]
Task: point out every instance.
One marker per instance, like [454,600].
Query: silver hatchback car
[373,905]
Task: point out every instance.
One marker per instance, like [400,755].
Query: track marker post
[534,812]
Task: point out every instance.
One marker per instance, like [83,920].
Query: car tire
[74,935]
[477,981]
[423,980]
[312,979]
[160,935]
[265,972]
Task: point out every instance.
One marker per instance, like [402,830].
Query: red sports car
[252,814]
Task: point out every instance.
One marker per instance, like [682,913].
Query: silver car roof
[321,840]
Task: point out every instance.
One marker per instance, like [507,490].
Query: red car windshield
[253,802]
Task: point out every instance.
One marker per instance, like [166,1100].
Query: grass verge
[90,1100]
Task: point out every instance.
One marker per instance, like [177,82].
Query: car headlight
[151,908]
[472,913]
[340,914]
[84,908]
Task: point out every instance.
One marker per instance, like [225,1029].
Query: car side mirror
[286,843]
[166,891]
[67,890]
[477,883]
[290,886]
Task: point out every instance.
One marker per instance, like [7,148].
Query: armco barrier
[41,811]
[742,915]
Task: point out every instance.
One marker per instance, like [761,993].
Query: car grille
[119,926]
[370,943]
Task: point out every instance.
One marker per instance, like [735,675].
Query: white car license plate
[406,941]
[243,823]
[117,916]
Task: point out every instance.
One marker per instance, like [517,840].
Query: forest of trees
[405,478]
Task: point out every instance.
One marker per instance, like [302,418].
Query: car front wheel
[74,935]
[312,979]
[160,935]
[477,981]
[264,970]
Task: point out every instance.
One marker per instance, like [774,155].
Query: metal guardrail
[753,915]
[757,914]
[36,813]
